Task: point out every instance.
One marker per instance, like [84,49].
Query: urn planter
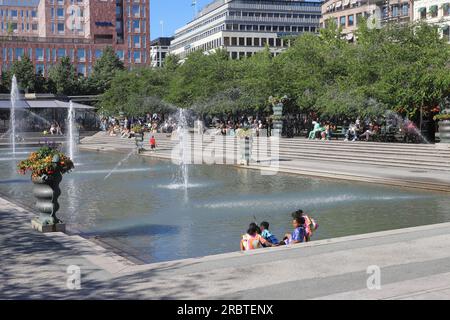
[47,166]
[46,191]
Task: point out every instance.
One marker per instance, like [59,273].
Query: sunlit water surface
[141,206]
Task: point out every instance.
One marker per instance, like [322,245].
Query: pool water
[142,207]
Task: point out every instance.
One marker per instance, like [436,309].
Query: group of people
[230,127]
[260,236]
[55,129]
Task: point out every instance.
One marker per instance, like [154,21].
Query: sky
[174,14]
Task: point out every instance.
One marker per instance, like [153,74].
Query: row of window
[82,68]
[241,42]
[287,15]
[433,11]
[14,26]
[266,28]
[255,42]
[14,13]
[244,27]
[241,55]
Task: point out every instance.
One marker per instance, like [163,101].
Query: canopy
[42,104]
[338,4]
[345,2]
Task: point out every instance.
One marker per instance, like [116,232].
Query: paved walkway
[415,264]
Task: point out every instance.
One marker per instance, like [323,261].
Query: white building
[244,27]
[159,49]
[434,12]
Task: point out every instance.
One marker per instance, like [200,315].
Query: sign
[104,24]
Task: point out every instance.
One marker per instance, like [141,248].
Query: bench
[339,132]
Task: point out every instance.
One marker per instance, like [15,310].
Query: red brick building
[46,30]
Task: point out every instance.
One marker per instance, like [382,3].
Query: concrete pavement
[414,263]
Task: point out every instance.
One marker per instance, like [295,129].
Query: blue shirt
[269,237]
[299,234]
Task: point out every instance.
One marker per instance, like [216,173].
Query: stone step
[424,162]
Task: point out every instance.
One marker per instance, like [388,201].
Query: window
[136,41]
[136,25]
[81,69]
[136,10]
[19,53]
[39,54]
[137,56]
[60,27]
[423,13]
[40,68]
[60,12]
[61,53]
[119,54]
[81,54]
[98,54]
[350,20]
[342,21]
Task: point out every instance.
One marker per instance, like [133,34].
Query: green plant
[277,118]
[244,132]
[442,117]
[45,161]
[137,128]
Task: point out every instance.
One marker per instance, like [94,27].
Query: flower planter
[47,165]
[444,131]
[46,191]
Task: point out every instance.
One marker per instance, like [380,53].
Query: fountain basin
[141,208]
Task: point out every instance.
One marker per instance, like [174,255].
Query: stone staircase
[411,156]
[31,139]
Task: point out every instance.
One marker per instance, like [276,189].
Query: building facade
[244,27]
[47,30]
[436,12]
[159,49]
[347,14]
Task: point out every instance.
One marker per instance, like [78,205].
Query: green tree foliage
[104,70]
[63,77]
[24,71]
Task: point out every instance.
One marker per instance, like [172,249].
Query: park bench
[339,132]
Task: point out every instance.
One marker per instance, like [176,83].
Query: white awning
[345,2]
[42,104]
[338,4]
[354,1]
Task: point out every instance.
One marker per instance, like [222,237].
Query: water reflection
[142,208]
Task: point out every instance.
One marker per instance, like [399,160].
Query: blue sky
[174,13]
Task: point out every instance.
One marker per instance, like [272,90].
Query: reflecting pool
[140,206]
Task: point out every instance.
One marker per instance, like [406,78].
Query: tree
[24,71]
[104,70]
[64,78]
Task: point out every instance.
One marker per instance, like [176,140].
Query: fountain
[71,134]
[184,140]
[14,99]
